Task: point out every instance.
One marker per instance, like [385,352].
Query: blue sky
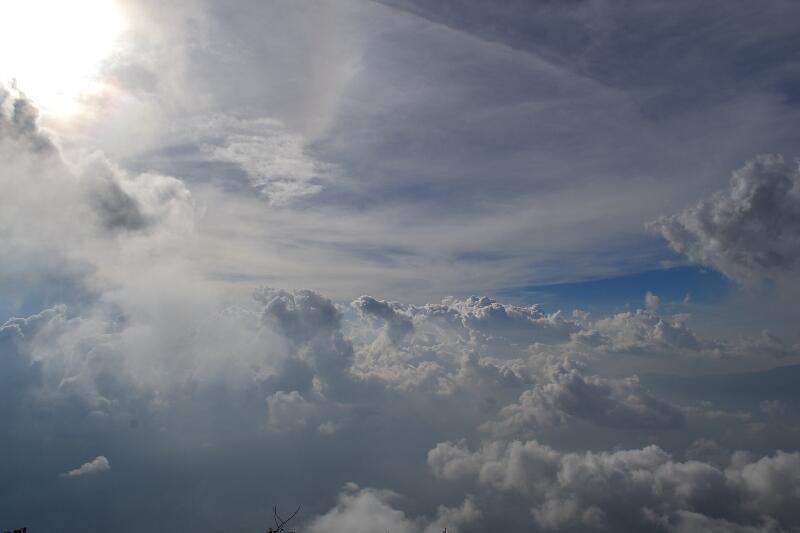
[701,285]
[510,266]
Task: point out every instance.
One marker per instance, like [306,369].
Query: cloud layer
[636,490]
[289,255]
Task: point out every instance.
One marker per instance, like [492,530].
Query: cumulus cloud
[452,345]
[95,466]
[749,231]
[634,490]
[646,332]
[398,325]
[309,355]
[288,411]
[565,394]
[321,355]
[367,510]
[17,370]
[650,334]
[513,323]
[296,363]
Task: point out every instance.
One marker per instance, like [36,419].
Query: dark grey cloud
[751,231]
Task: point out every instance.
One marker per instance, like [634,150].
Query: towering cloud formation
[750,231]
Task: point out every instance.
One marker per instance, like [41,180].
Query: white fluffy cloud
[367,510]
[95,466]
[635,490]
[750,231]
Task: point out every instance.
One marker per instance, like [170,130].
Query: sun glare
[53,49]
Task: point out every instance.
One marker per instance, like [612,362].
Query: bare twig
[280,523]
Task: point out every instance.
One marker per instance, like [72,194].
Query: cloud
[565,394]
[17,370]
[19,123]
[646,333]
[367,510]
[749,231]
[73,215]
[354,150]
[304,377]
[288,411]
[95,466]
[321,355]
[689,522]
[397,325]
[277,162]
[635,490]
[652,301]
[451,345]
[135,203]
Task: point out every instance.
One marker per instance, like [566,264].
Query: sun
[53,49]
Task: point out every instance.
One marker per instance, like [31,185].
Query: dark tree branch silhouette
[280,523]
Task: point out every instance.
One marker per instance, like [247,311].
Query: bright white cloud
[95,466]
[367,510]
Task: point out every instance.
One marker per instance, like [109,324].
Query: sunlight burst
[53,49]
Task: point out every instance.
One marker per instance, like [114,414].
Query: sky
[509,266]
